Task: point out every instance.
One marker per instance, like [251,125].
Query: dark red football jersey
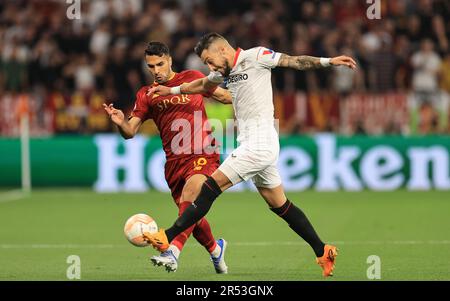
[180,118]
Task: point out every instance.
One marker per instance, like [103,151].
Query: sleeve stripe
[259,51]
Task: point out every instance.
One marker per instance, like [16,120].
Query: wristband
[175,90]
[325,61]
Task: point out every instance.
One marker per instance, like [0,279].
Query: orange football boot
[326,262]
[158,240]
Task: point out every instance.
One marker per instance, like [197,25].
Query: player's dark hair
[157,48]
[206,41]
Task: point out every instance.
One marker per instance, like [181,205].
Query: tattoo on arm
[302,62]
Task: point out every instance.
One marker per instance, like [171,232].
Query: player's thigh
[194,184]
[175,179]
[268,182]
[199,169]
[269,177]
[222,180]
[274,197]
[192,187]
[243,164]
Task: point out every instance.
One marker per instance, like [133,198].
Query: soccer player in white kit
[247,75]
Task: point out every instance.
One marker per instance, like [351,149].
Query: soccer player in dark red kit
[188,162]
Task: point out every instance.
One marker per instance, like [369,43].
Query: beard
[227,69]
[161,79]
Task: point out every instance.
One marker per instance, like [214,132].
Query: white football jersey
[250,85]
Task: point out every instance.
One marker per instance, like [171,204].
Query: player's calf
[209,192]
[298,222]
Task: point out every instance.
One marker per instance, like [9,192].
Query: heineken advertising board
[324,162]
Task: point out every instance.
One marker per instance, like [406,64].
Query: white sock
[216,252]
[176,252]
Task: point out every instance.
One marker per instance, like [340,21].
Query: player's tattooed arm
[201,85]
[204,84]
[305,62]
[198,86]
[302,62]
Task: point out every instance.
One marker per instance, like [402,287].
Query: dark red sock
[202,233]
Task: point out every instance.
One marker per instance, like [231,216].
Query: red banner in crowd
[298,113]
[374,113]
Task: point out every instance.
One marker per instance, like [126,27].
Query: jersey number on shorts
[198,164]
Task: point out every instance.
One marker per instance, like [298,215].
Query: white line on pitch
[12,195]
[58,246]
[237,244]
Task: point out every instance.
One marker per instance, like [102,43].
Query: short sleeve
[267,57]
[141,108]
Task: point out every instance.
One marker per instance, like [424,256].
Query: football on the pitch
[136,226]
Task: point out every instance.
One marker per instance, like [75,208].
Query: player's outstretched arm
[198,86]
[222,95]
[305,62]
[195,87]
[127,128]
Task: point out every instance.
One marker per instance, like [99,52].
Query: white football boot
[166,259]
[219,261]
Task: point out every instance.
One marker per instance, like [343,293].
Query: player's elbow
[228,101]
[127,136]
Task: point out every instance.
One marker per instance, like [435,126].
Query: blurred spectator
[14,69]
[84,75]
[444,74]
[384,68]
[428,119]
[346,81]
[426,63]
[100,39]
[102,54]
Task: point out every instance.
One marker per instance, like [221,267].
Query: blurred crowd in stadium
[66,68]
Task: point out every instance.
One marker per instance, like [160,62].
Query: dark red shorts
[177,172]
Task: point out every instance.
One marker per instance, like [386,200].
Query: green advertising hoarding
[323,162]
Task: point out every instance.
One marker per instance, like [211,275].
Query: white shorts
[259,165]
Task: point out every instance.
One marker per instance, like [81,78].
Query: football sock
[176,252]
[298,222]
[181,238]
[216,251]
[208,193]
[202,232]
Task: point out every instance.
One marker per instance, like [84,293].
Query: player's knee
[191,189]
[190,192]
[275,202]
[274,197]
[188,196]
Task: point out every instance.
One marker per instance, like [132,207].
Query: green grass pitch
[409,231]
